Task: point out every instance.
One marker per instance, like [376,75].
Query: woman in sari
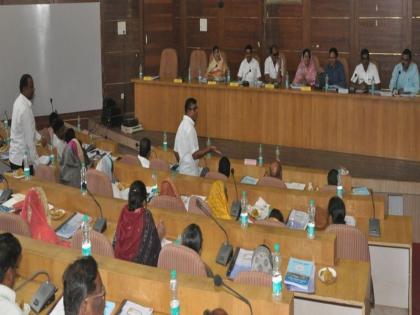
[306,71]
[217,66]
[72,160]
[35,212]
[218,202]
[137,239]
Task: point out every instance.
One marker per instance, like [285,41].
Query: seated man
[337,210]
[276,170]
[273,66]
[144,152]
[59,130]
[335,70]
[84,293]
[365,73]
[224,166]
[249,70]
[405,77]
[10,252]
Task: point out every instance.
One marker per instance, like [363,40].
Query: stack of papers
[296,186]
[298,220]
[134,308]
[59,308]
[300,276]
[44,160]
[249,180]
[15,199]
[70,227]
[242,261]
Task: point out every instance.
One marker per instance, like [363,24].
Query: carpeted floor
[416,278]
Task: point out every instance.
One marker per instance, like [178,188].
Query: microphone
[5,195]
[374,224]
[235,208]
[52,107]
[396,82]
[100,223]
[218,282]
[226,250]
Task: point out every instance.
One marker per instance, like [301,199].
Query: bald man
[275,170]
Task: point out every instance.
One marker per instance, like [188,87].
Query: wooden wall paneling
[382,35]
[327,8]
[381,8]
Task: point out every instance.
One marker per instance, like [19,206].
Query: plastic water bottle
[86,244]
[165,141]
[326,82]
[83,180]
[340,189]
[154,183]
[260,156]
[173,286]
[208,144]
[199,76]
[52,156]
[372,88]
[277,153]
[286,82]
[78,123]
[26,168]
[6,129]
[310,230]
[189,75]
[228,76]
[244,211]
[276,280]
[141,71]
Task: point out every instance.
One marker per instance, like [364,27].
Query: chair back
[272,223]
[167,202]
[271,182]
[14,224]
[345,63]
[351,242]
[255,278]
[182,259]
[198,61]
[130,160]
[100,243]
[45,172]
[168,69]
[98,183]
[215,175]
[168,188]
[160,165]
[193,208]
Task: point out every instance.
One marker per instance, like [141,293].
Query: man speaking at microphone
[187,151]
[405,77]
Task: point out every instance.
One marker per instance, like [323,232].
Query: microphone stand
[100,223]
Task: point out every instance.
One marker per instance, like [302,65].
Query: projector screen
[60,46]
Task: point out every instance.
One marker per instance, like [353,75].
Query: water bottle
[199,76]
[286,83]
[78,123]
[228,76]
[6,129]
[277,153]
[154,191]
[165,141]
[26,168]
[260,156]
[340,189]
[326,83]
[311,224]
[189,75]
[208,143]
[86,244]
[276,280]
[141,71]
[173,286]
[83,180]
[52,156]
[244,211]
[372,88]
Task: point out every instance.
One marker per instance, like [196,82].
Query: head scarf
[75,146]
[217,200]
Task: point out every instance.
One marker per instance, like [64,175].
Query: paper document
[131,308]
[69,228]
[296,186]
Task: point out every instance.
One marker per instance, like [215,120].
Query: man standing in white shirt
[23,133]
[186,147]
[272,66]
[10,251]
[249,69]
[145,147]
[366,73]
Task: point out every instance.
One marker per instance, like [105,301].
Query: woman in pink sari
[306,71]
[36,213]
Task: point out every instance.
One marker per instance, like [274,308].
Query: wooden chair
[168,69]
[198,62]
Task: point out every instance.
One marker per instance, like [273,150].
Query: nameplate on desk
[269,86]
[234,84]
[177,80]
[148,78]
[211,82]
[305,88]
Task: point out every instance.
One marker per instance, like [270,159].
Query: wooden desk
[359,124]
[283,199]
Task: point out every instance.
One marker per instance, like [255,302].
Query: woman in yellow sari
[218,202]
[217,66]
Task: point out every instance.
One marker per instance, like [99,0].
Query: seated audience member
[224,166]
[276,215]
[106,166]
[335,70]
[217,65]
[192,237]
[137,238]
[332,177]
[36,213]
[10,253]
[57,141]
[405,76]
[337,210]
[365,73]
[218,201]
[51,121]
[72,160]
[306,72]
[273,66]
[145,148]
[276,170]
[249,70]
[83,291]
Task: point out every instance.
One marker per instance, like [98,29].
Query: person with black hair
[249,70]
[365,73]
[405,76]
[224,166]
[337,210]
[273,66]
[137,239]
[332,177]
[74,157]
[276,215]
[145,147]
[10,252]
[335,70]
[192,237]
[84,292]
[57,140]
[276,170]
[217,65]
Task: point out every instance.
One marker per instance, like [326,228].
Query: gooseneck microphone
[100,223]
[218,282]
[226,250]
[235,209]
[396,82]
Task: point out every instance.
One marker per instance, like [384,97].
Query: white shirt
[271,69]
[59,145]
[186,143]
[23,133]
[361,76]
[144,162]
[249,71]
[8,302]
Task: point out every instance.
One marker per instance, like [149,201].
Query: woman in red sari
[137,239]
